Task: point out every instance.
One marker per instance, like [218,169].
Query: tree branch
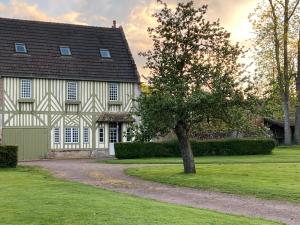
[280,3]
[294,9]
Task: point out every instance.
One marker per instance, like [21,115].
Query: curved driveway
[110,176]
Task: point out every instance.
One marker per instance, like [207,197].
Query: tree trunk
[286,95]
[185,147]
[287,123]
[297,121]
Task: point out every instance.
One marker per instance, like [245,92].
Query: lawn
[264,180]
[30,196]
[280,155]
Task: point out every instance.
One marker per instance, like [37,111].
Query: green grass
[264,180]
[280,155]
[29,196]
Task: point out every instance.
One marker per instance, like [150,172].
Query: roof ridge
[56,23]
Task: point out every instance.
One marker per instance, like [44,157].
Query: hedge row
[200,148]
[8,156]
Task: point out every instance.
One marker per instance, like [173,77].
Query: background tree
[195,75]
[275,53]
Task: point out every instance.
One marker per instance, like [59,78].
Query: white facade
[50,108]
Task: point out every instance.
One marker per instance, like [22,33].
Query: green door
[32,142]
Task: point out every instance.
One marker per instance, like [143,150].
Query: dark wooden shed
[277,128]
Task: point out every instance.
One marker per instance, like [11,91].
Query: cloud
[140,18]
[20,9]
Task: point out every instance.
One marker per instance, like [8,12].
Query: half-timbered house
[66,90]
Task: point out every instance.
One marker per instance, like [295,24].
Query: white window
[128,134]
[113,132]
[65,50]
[56,135]
[20,48]
[85,135]
[104,53]
[71,135]
[113,91]
[72,90]
[26,88]
[101,134]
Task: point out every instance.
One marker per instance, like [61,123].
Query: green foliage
[141,150]
[264,55]
[8,156]
[200,148]
[279,155]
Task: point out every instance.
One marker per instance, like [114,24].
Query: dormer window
[104,53]
[20,48]
[65,50]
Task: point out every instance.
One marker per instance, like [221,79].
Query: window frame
[86,135]
[56,135]
[101,133]
[62,47]
[113,96]
[23,45]
[72,136]
[76,91]
[104,53]
[23,94]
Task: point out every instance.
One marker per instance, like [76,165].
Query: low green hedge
[8,156]
[200,148]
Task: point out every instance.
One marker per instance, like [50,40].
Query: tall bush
[8,156]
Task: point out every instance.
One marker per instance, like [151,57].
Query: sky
[133,15]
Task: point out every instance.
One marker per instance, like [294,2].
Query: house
[66,90]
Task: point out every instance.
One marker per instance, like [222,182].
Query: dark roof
[279,123]
[43,60]
[115,117]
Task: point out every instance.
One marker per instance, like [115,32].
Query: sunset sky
[133,15]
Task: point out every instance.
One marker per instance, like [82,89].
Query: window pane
[56,135]
[25,88]
[104,53]
[85,135]
[68,135]
[65,50]
[75,135]
[113,92]
[101,135]
[72,91]
[20,48]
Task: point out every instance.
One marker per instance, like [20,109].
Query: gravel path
[111,177]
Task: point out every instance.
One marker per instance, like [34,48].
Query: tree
[194,75]
[283,78]
[274,25]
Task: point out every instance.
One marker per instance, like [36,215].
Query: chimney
[114,24]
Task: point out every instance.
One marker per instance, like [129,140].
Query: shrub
[233,147]
[200,148]
[8,156]
[140,150]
